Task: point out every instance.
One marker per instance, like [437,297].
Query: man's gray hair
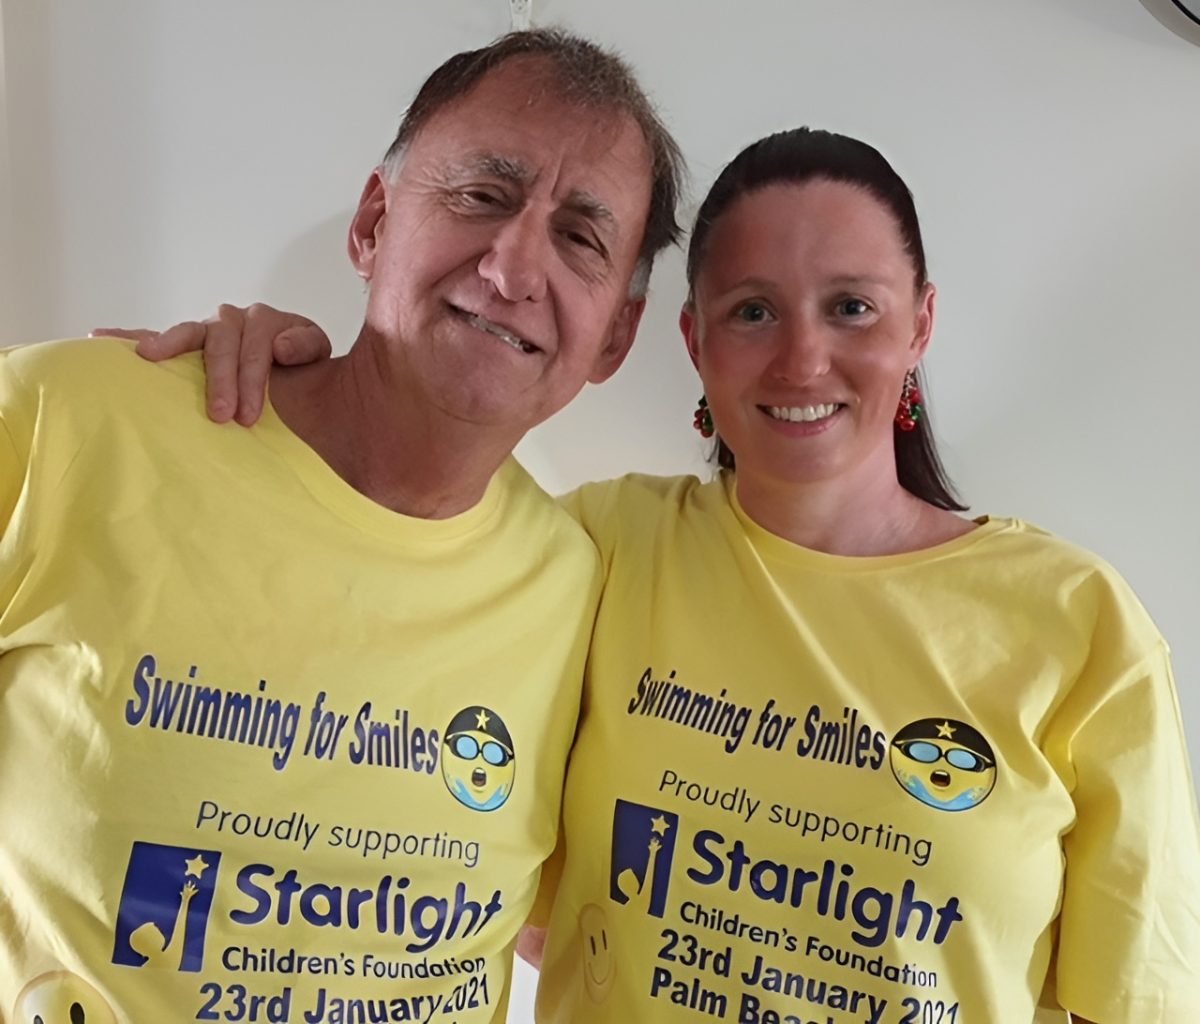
[587,75]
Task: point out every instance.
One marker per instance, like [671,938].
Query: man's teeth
[506,336]
[802,413]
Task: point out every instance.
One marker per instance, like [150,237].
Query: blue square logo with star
[165,902]
[643,847]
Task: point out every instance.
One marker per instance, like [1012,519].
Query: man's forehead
[523,109]
[526,155]
[518,124]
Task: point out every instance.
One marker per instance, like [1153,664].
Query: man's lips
[478,777]
[509,337]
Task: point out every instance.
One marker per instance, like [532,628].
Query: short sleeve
[14,457]
[11,473]
[593,506]
[548,882]
[1129,925]
[12,465]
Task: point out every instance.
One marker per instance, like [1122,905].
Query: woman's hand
[239,347]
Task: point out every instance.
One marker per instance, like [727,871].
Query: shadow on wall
[1129,20]
[1181,16]
[1088,350]
[312,275]
[641,420]
[29,255]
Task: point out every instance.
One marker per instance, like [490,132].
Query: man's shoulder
[67,358]
[83,367]
[529,504]
[66,396]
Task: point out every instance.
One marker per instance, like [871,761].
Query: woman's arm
[1129,924]
[531,943]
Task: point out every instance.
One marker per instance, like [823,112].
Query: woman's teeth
[801,413]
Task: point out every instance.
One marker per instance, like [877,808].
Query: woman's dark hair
[802,155]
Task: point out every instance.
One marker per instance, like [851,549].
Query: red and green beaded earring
[702,421]
[910,410]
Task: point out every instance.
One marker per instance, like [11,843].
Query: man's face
[499,257]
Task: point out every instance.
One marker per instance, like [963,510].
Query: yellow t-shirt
[268,751]
[930,787]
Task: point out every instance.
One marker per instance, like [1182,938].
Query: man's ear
[366,227]
[620,341]
[691,332]
[923,325]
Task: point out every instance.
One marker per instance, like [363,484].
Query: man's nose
[802,354]
[516,263]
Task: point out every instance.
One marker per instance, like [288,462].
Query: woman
[845,755]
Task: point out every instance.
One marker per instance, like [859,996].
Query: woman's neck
[865,518]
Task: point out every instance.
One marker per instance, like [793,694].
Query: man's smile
[496,330]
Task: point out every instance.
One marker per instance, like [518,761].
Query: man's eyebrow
[591,207]
[494,166]
[507,169]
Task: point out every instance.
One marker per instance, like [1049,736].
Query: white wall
[167,155]
[7,274]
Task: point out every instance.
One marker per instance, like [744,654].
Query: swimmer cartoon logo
[944,763]
[163,915]
[478,759]
[643,848]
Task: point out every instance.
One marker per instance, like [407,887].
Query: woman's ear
[923,322]
[690,328]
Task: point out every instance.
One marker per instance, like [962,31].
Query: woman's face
[805,320]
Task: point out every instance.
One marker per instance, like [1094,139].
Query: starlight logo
[643,848]
[165,903]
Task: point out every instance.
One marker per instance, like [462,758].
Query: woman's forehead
[836,231]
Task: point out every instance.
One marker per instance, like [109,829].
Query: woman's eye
[752,313]
[853,307]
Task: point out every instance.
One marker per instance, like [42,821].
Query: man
[310,772]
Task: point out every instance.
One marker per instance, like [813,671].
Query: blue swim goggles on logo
[468,748]
[931,753]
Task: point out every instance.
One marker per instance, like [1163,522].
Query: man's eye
[853,307]
[477,197]
[752,313]
[582,240]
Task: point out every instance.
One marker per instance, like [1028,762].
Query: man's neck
[383,439]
